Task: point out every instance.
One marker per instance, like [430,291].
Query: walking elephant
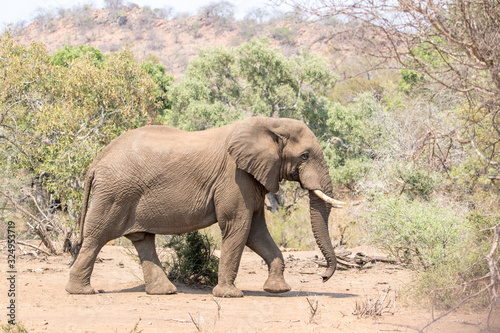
[161,180]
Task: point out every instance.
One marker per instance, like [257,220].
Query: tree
[113,4]
[163,81]
[67,54]
[56,113]
[226,84]
[220,13]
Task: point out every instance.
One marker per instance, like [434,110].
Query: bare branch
[37,228]
[33,247]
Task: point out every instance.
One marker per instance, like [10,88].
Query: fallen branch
[178,320]
[195,322]
[33,247]
[358,261]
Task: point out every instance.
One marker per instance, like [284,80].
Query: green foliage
[346,91]
[462,277]
[162,79]
[413,80]
[194,261]
[56,118]
[410,80]
[284,34]
[227,84]
[421,234]
[67,54]
[417,182]
[354,137]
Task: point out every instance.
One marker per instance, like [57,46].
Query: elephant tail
[88,186]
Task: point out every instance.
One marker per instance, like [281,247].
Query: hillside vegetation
[174,38]
[417,161]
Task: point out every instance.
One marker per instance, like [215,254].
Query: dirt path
[44,305]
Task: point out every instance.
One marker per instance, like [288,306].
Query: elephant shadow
[183,289]
[293,293]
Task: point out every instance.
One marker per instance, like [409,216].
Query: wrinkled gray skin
[160,180]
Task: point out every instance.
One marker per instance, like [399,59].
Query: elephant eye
[305,156]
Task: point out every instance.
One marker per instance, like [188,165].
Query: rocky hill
[175,41]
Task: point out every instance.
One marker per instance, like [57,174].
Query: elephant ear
[256,148]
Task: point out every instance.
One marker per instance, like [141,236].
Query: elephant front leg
[233,242]
[155,279]
[261,242]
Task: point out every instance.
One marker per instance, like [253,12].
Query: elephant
[161,180]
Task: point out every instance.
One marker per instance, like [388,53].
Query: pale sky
[12,11]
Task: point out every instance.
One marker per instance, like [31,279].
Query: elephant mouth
[295,175]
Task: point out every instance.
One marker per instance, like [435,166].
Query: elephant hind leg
[105,221]
[155,279]
[79,276]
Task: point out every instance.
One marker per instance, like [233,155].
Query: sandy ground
[123,306]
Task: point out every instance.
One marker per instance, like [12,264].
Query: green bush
[284,34]
[67,54]
[194,261]
[223,85]
[421,234]
[353,139]
[448,284]
[417,182]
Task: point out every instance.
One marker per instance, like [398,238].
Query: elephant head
[275,149]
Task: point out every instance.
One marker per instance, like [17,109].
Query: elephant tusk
[333,202]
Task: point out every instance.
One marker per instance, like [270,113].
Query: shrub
[421,234]
[67,54]
[284,34]
[353,139]
[60,111]
[464,276]
[417,182]
[194,261]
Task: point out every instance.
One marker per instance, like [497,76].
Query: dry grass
[370,307]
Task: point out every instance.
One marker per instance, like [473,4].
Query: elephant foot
[227,291]
[163,288]
[276,285]
[79,288]
[157,282]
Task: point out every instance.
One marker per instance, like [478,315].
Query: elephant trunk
[320,211]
